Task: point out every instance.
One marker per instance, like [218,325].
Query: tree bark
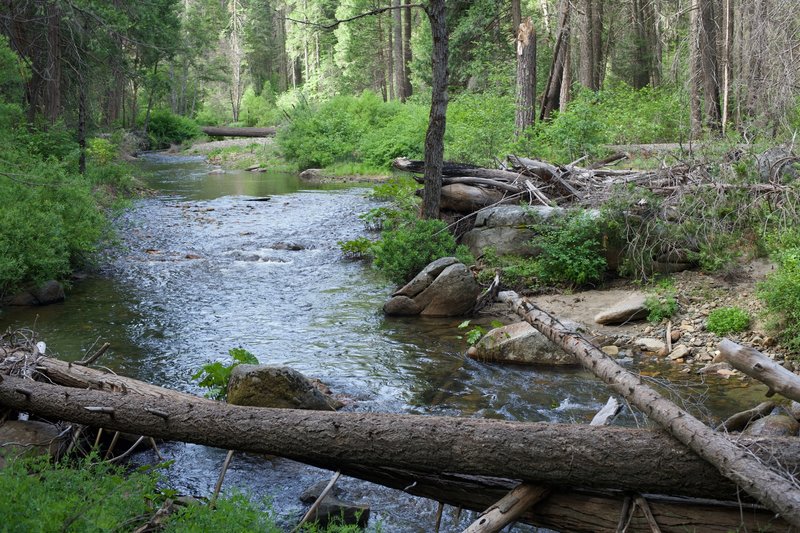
[53,72]
[552,92]
[591,44]
[760,367]
[695,70]
[526,77]
[399,67]
[516,17]
[434,138]
[777,490]
[407,54]
[214,131]
[508,509]
[595,457]
[709,63]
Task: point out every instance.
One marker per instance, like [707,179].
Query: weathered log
[466,199]
[508,509]
[213,131]
[775,488]
[758,366]
[549,454]
[455,170]
[74,375]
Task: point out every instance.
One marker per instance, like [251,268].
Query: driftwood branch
[758,366]
[508,509]
[776,489]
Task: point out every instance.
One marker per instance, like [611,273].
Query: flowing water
[204,266]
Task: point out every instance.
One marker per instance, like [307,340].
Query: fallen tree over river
[213,131]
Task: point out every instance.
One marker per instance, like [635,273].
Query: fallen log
[213,131]
[776,488]
[741,420]
[550,454]
[758,366]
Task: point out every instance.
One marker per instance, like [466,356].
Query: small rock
[333,508]
[650,344]
[773,426]
[714,368]
[611,350]
[675,335]
[680,352]
[276,386]
[520,343]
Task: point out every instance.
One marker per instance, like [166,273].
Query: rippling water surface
[205,267]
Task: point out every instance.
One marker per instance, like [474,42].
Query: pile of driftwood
[560,476]
[468,188]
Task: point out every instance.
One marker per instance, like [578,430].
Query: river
[202,267]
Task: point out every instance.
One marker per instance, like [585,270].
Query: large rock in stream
[505,228]
[47,293]
[26,438]
[520,343]
[333,508]
[276,386]
[445,287]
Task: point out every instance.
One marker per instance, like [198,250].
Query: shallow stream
[204,267]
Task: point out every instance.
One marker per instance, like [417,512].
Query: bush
[403,252]
[166,128]
[781,294]
[215,376]
[259,109]
[727,320]
[571,250]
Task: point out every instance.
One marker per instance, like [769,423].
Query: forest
[640,146]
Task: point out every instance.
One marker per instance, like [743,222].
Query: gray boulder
[505,229]
[47,293]
[29,438]
[520,343]
[773,426]
[629,310]
[333,509]
[444,288]
[276,386]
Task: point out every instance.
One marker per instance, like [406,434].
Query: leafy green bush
[727,320]
[215,376]
[781,294]
[259,109]
[479,127]
[360,248]
[166,128]
[660,307]
[571,250]
[403,251]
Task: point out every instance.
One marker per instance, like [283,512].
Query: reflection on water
[203,268]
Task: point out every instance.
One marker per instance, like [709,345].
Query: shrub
[404,251]
[166,128]
[215,376]
[660,307]
[571,250]
[360,248]
[727,320]
[781,294]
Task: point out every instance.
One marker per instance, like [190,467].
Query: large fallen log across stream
[213,131]
[440,453]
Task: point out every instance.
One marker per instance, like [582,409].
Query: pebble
[610,350]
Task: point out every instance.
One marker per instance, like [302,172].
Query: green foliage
[101,151]
[50,217]
[359,248]
[233,513]
[405,250]
[166,128]
[479,127]
[662,303]
[259,109]
[476,333]
[727,320]
[571,249]
[215,376]
[90,496]
[781,294]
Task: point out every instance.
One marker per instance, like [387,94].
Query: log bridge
[213,131]
[559,476]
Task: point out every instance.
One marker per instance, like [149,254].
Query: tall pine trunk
[526,77]
[397,51]
[407,55]
[434,138]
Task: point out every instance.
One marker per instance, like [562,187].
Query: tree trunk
[407,54]
[552,92]
[776,488]
[397,51]
[434,138]
[53,73]
[593,457]
[516,18]
[695,70]
[82,89]
[214,131]
[590,44]
[526,77]
[709,63]
[390,67]
[566,75]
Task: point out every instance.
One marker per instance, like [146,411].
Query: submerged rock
[278,387]
[773,426]
[47,293]
[333,508]
[520,343]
